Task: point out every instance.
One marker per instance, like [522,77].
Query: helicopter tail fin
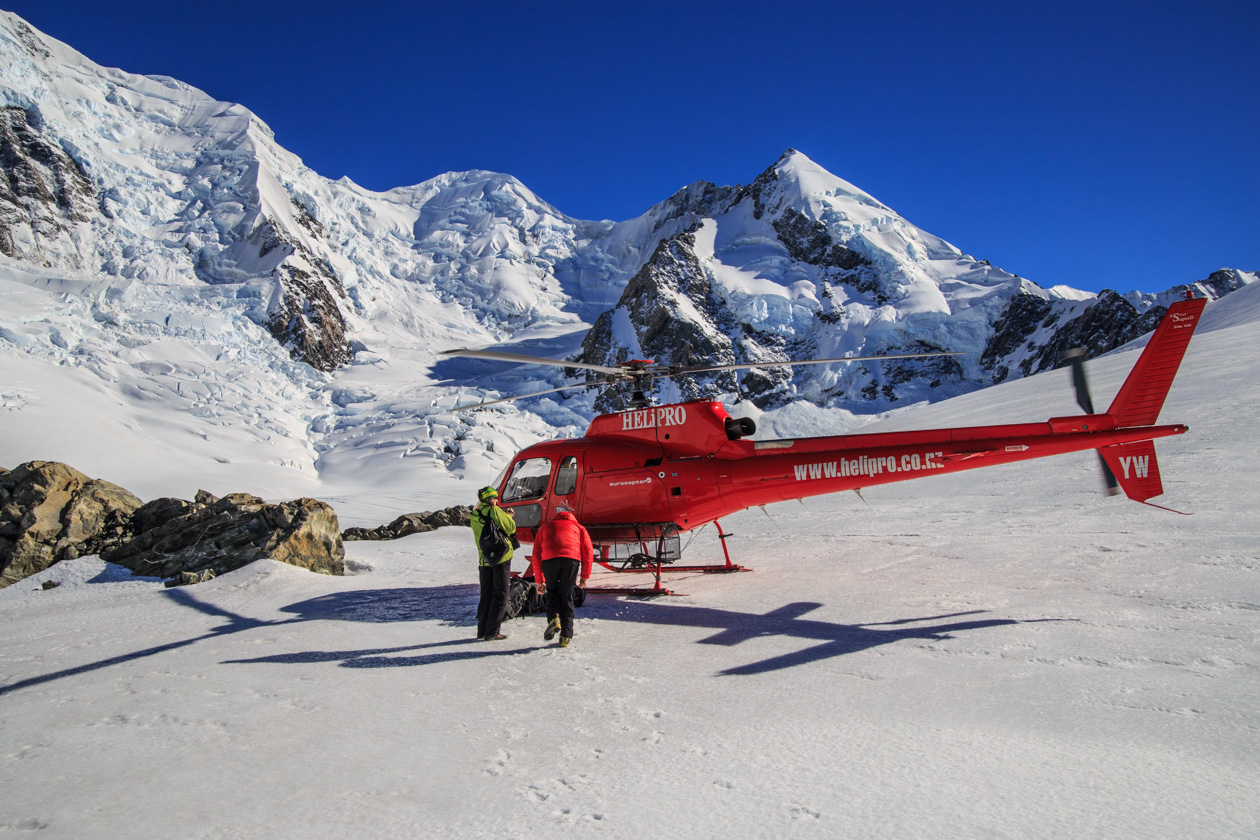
[1137,471]
[1134,465]
[1142,395]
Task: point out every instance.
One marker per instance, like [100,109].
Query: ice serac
[146,180]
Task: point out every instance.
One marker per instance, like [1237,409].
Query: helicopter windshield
[528,481]
[498,479]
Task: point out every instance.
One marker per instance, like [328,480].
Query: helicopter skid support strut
[657,567]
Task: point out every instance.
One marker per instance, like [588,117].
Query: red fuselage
[650,474]
[689,464]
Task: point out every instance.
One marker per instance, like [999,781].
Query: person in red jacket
[561,559]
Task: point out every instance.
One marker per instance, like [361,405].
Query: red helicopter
[640,477]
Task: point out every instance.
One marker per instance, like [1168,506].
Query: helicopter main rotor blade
[530,360]
[805,362]
[637,373]
[526,396]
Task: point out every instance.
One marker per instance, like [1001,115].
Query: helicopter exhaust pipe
[739,427]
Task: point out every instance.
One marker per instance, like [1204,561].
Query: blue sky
[1096,144]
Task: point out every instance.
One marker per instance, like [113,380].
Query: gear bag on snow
[493,543]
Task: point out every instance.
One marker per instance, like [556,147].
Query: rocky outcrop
[308,321]
[1033,333]
[670,306]
[1219,283]
[172,536]
[51,512]
[306,317]
[43,191]
[413,523]
[1110,322]
[689,205]
[808,241]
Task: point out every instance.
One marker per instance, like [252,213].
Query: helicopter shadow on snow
[831,639]
[455,606]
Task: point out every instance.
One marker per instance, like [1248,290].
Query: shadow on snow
[381,606]
[832,639]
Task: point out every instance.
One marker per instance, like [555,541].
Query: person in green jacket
[495,576]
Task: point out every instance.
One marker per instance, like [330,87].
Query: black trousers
[492,608]
[561,575]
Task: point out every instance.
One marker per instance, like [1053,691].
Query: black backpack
[493,543]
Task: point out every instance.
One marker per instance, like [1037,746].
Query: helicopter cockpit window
[566,476]
[528,481]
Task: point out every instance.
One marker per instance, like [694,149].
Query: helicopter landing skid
[633,591]
[661,560]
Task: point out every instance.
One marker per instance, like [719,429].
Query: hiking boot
[553,627]
[500,637]
[564,641]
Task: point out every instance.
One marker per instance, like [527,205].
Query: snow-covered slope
[158,243]
[1001,653]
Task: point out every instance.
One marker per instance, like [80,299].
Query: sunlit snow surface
[1002,653]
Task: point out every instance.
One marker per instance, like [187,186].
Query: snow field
[1002,653]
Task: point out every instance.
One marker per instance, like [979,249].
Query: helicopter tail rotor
[1076,358]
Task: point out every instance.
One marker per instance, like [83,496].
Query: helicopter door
[526,488]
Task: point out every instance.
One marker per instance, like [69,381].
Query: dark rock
[308,321]
[933,371]
[306,317]
[1018,321]
[41,187]
[189,578]
[171,536]
[1219,283]
[809,242]
[153,514]
[51,512]
[413,523]
[1108,323]
[695,202]
[666,331]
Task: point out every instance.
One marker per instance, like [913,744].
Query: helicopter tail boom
[1123,436]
